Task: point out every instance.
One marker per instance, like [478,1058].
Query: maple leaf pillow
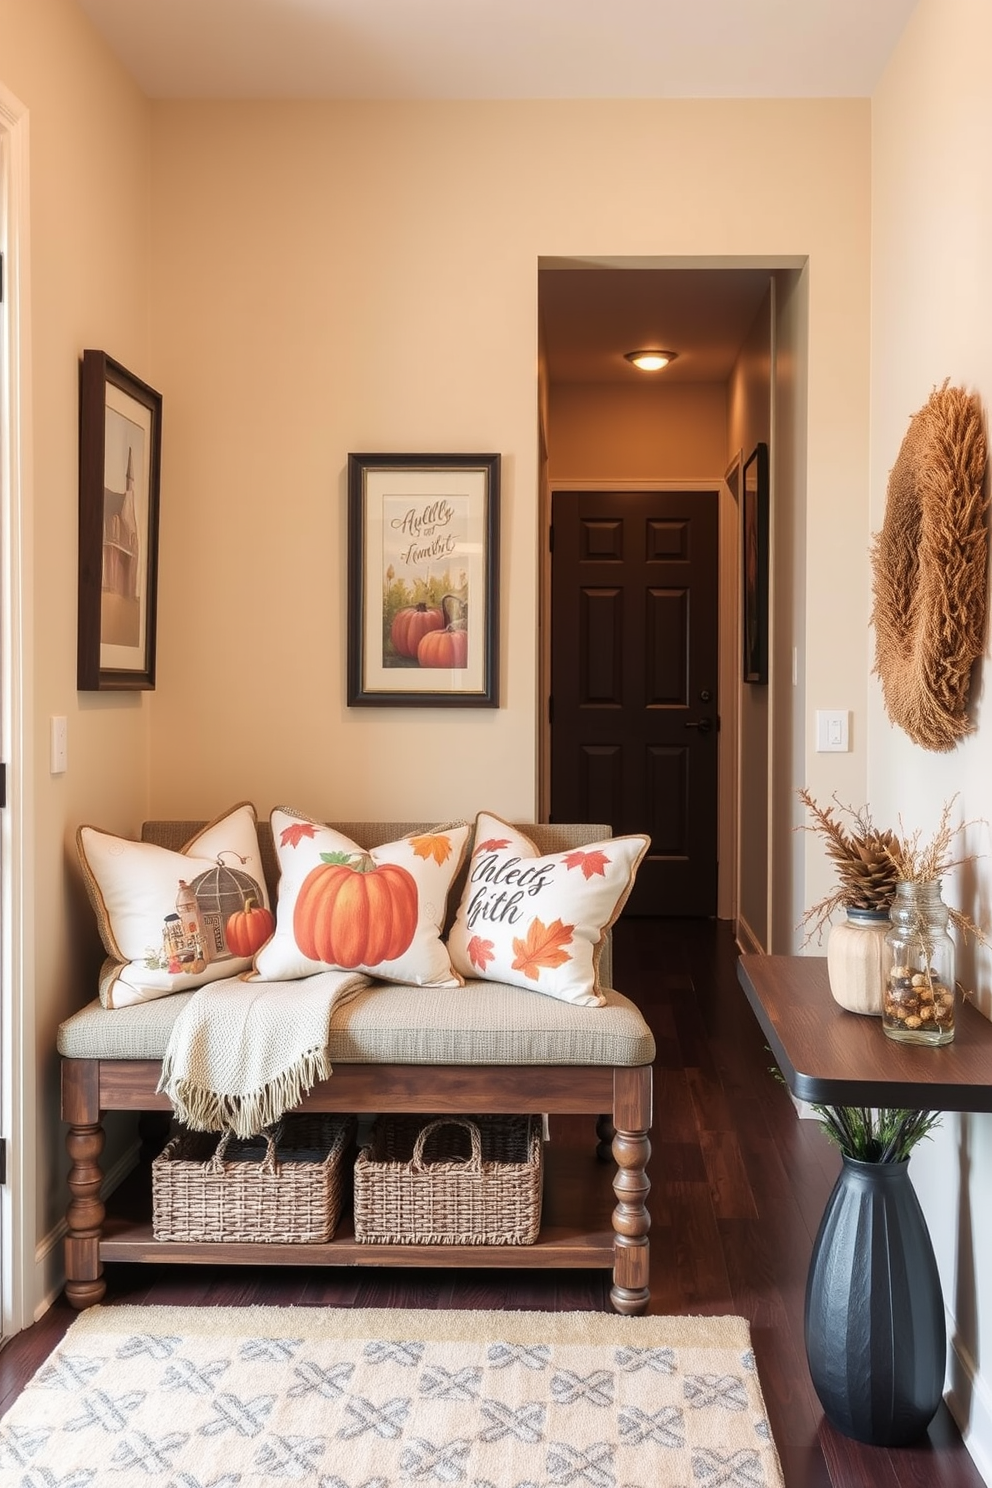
[537,919]
[379,912]
[171,921]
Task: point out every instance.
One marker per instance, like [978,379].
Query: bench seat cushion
[481,1023]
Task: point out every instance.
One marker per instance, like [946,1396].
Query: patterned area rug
[232,1397]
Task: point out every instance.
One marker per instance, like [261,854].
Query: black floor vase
[875,1335]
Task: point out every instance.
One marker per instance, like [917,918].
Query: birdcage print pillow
[171,921]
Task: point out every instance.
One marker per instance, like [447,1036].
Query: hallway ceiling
[590,317]
[502,48]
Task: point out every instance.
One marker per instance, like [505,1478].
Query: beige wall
[931,310]
[323,272]
[305,280]
[89,133]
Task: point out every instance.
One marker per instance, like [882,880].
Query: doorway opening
[607,427]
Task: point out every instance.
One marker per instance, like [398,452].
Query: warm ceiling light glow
[650,360]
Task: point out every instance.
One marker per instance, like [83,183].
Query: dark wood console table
[838,1058]
[878,1371]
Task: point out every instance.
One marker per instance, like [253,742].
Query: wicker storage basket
[284,1187]
[457,1180]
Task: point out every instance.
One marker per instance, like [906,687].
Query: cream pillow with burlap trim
[343,908]
[538,920]
[170,921]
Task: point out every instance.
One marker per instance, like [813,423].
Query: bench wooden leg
[84,1284]
[631,1290]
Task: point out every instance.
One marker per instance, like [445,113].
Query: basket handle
[268,1165]
[472,1164]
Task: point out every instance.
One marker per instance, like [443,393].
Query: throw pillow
[171,921]
[538,920]
[380,912]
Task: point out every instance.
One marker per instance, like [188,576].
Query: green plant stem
[877,1136]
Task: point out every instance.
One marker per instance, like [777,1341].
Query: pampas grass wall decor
[929,571]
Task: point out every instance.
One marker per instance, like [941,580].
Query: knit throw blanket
[242,1053]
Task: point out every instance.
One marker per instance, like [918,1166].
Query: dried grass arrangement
[864,856]
[870,861]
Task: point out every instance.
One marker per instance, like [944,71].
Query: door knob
[702,724]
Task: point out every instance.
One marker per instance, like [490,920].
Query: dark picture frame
[754,573]
[120,461]
[423,580]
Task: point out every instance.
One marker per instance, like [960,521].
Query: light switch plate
[59,746]
[833,730]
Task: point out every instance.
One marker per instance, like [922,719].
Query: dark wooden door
[634,616]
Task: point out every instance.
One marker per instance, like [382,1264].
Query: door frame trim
[728,670]
[18,1104]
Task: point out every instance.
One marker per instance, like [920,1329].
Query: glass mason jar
[918,1006]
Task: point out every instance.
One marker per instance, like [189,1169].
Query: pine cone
[866,871]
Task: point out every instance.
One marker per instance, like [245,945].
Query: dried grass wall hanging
[929,571]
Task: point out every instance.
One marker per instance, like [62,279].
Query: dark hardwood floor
[739,1184]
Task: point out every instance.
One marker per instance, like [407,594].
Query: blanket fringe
[247,1114]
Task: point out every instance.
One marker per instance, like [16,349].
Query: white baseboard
[747,942]
[49,1255]
[969,1400]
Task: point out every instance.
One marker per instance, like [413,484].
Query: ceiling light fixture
[649,359]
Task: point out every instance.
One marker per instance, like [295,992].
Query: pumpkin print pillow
[380,912]
[171,921]
[536,919]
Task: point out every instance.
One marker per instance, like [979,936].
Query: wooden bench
[486,1048]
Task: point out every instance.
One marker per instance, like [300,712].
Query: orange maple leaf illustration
[493,844]
[589,862]
[480,952]
[542,948]
[432,846]
[293,836]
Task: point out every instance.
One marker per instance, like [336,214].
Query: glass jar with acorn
[892,954]
[859,958]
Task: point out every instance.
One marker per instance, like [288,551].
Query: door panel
[633,680]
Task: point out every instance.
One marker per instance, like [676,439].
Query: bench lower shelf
[575,1232]
[594,1212]
[553,1247]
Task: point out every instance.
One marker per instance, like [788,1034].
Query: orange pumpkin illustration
[249,929]
[350,915]
[444,648]
[410,625]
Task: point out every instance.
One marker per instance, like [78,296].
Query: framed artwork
[423,562]
[120,452]
[754,547]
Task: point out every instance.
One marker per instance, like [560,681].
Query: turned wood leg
[605,1132]
[631,1291]
[84,1283]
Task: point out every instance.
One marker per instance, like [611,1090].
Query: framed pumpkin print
[423,562]
[754,579]
[120,450]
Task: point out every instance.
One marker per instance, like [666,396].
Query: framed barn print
[423,560]
[120,450]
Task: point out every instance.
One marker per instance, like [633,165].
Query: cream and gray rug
[211,1397]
